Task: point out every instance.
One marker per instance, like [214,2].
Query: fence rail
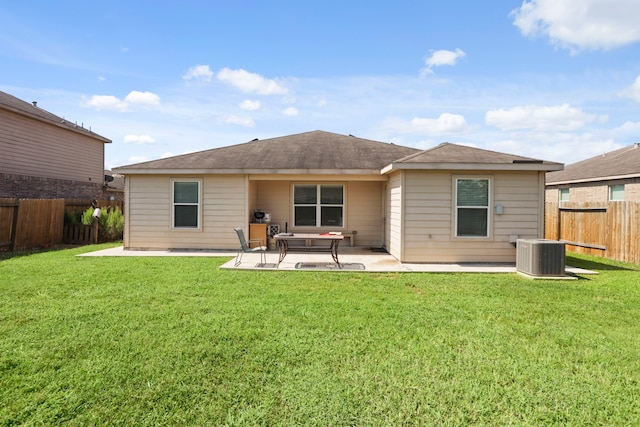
[610,230]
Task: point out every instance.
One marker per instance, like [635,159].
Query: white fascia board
[474,166]
[596,179]
[146,171]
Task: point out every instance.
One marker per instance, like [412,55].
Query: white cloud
[580,24]
[250,105]
[107,102]
[441,57]
[144,98]
[291,111]
[633,91]
[110,102]
[628,130]
[445,124]
[138,139]
[199,73]
[166,155]
[250,82]
[554,118]
[238,120]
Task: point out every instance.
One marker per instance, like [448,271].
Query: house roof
[18,106]
[622,163]
[309,152]
[320,152]
[453,156]
[117,183]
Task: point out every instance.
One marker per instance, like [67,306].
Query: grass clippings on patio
[177,341]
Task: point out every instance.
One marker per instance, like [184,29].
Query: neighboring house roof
[309,152]
[117,183]
[619,164]
[325,152]
[18,106]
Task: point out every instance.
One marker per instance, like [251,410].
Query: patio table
[283,240]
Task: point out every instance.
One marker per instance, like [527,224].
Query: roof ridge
[410,156]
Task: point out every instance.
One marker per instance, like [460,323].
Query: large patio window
[318,205]
[186,204]
[472,207]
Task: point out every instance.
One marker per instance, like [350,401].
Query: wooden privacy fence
[34,222]
[610,230]
[80,233]
[30,223]
[8,217]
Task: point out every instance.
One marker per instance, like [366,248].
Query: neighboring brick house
[114,185]
[45,156]
[613,176]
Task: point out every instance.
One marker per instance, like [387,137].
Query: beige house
[450,203]
[46,156]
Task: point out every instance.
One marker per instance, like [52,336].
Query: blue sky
[552,79]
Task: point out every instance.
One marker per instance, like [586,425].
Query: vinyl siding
[149,213]
[228,202]
[429,219]
[32,148]
[363,205]
[414,216]
[394,220]
[365,212]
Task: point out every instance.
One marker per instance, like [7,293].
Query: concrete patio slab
[354,258]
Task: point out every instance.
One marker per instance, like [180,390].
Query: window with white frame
[616,193]
[564,195]
[186,204]
[318,205]
[472,207]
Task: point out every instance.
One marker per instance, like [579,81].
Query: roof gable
[624,162]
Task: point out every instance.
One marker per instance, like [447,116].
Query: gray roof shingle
[326,152]
[316,150]
[453,153]
[624,162]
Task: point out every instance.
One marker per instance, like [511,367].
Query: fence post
[14,226]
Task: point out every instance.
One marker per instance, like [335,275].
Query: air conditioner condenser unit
[541,257]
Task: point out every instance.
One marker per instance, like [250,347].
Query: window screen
[472,207]
[186,204]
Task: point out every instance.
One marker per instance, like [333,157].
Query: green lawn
[176,341]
